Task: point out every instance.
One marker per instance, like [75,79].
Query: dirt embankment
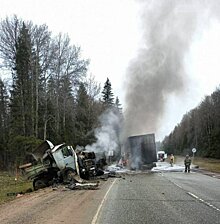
[54,206]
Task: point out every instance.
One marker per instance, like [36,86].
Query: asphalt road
[161,197]
[166,195]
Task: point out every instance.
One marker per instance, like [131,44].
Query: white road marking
[176,184]
[205,202]
[196,197]
[193,195]
[94,220]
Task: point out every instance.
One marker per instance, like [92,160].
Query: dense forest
[48,95]
[199,128]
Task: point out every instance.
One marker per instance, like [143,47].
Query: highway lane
[163,197]
[203,187]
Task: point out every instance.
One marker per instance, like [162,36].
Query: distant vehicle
[161,156]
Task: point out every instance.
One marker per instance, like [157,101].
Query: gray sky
[110,33]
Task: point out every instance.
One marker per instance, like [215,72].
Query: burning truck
[59,163]
[141,150]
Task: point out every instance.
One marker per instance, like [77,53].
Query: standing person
[171,159]
[187,162]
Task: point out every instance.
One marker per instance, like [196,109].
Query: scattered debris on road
[84,186]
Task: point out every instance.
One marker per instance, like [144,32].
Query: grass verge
[9,187]
[208,164]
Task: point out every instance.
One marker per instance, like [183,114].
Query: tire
[69,176]
[39,184]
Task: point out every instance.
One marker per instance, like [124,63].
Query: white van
[161,156]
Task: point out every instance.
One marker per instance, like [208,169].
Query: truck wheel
[69,176]
[39,184]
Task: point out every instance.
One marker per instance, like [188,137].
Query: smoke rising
[108,133]
[158,69]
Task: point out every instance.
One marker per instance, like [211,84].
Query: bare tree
[67,70]
[9,32]
[42,57]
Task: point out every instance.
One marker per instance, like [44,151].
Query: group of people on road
[187,162]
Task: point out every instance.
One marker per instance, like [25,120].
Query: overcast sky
[110,34]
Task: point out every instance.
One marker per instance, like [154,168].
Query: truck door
[69,158]
[64,157]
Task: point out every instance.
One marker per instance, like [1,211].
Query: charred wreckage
[61,164]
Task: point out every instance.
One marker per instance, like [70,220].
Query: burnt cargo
[142,151]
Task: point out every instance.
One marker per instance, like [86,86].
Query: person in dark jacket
[187,162]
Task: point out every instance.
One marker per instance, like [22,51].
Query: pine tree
[21,94]
[84,134]
[107,95]
[4,124]
[118,105]
[3,113]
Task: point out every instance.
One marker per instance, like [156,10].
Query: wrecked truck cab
[59,163]
[87,164]
[63,156]
[51,163]
[66,160]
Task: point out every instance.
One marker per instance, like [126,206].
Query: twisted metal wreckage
[62,164]
[80,169]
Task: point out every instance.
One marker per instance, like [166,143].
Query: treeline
[200,129]
[49,95]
